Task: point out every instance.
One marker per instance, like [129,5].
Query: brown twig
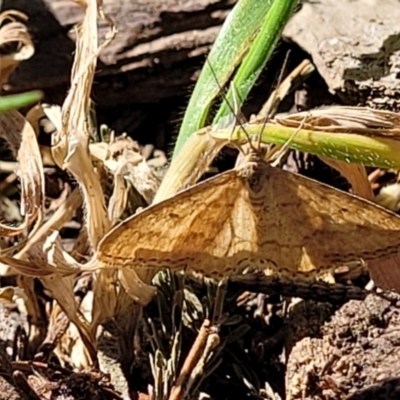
[178,390]
[21,381]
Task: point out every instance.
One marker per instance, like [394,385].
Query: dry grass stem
[178,391]
[12,31]
[341,119]
[22,141]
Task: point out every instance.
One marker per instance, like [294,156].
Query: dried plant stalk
[71,144]
[361,120]
[356,175]
[12,31]
[202,148]
[63,214]
[20,135]
[71,148]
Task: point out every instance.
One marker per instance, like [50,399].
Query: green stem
[16,101]
[378,151]
[260,52]
[236,36]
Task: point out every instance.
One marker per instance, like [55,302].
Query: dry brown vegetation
[87,334]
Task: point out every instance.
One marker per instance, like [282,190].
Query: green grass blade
[16,101]
[260,52]
[378,151]
[233,41]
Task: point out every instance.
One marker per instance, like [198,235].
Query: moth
[252,216]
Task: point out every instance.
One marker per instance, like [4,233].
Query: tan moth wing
[199,228]
[310,226]
[256,216]
[191,229]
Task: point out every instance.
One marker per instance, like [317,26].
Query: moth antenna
[235,105]
[232,109]
[281,152]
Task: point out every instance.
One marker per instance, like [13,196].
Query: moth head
[255,174]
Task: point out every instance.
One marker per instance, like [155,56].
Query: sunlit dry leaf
[13,31]
[105,297]
[185,171]
[71,146]
[22,141]
[53,113]
[38,261]
[70,349]
[44,257]
[356,175]
[71,143]
[122,157]
[81,247]
[33,116]
[51,253]
[20,262]
[24,267]
[61,216]
[30,171]
[135,285]
[389,197]
[77,349]
[8,294]
[343,119]
[253,216]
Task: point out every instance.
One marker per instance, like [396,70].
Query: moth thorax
[256,183]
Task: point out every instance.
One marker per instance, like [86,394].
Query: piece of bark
[351,41]
[50,66]
[159,48]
